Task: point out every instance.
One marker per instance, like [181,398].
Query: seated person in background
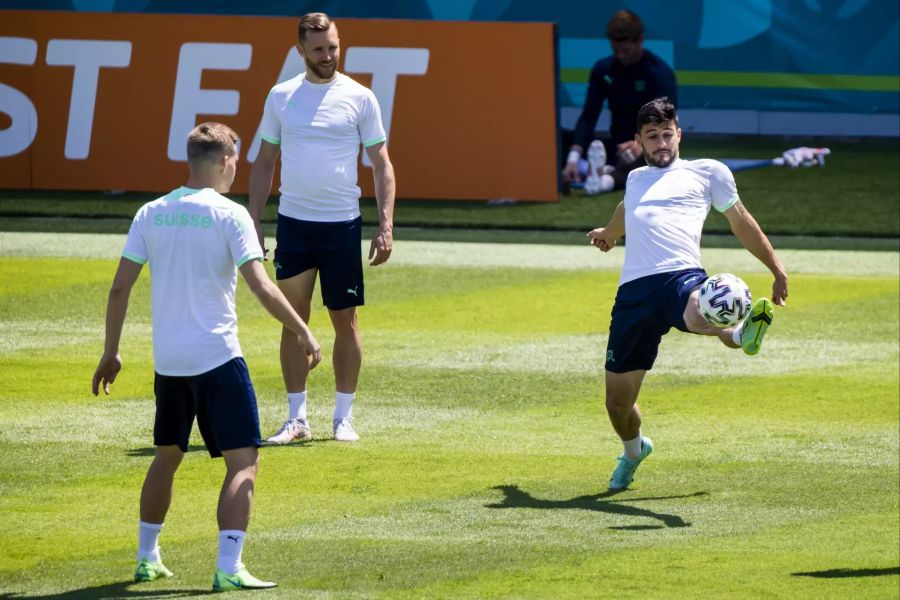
[627,80]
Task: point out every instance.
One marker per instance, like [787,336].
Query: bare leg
[697,324]
[621,402]
[236,498]
[294,361]
[347,356]
[156,494]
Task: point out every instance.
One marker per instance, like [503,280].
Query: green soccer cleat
[242,580]
[755,326]
[624,473]
[150,571]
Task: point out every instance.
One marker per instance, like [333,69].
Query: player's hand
[106,373]
[262,239]
[570,173]
[628,151]
[599,238]
[311,345]
[381,247]
[780,290]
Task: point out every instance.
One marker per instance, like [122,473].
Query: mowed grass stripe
[473,254]
[485,446]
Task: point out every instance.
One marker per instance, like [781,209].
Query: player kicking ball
[665,206]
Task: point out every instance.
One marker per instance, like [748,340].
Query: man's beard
[321,72]
[663,161]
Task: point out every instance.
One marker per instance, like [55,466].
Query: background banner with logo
[806,56]
[101,101]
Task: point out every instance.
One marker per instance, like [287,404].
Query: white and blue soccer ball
[724,300]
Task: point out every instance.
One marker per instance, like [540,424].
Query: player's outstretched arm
[748,231]
[116,308]
[385,191]
[605,238]
[261,174]
[273,300]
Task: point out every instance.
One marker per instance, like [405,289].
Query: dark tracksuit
[626,90]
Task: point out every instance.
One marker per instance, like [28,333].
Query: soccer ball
[724,300]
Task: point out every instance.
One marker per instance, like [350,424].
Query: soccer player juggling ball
[665,205]
[195,241]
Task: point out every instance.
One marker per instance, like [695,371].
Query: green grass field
[485,449]
[855,195]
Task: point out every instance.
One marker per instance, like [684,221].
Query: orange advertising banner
[103,101]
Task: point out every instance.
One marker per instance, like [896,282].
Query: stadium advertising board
[102,101]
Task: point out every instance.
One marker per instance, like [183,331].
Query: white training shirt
[194,240]
[664,213]
[320,127]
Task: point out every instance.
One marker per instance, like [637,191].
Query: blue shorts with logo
[644,311]
[222,400]
[332,248]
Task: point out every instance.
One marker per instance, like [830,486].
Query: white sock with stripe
[148,541]
[231,543]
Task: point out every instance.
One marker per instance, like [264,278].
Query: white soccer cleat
[596,157]
[343,431]
[293,429]
[598,181]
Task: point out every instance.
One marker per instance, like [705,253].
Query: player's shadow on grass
[121,589]
[151,450]
[513,497]
[842,573]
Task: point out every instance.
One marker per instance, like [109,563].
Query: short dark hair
[624,26]
[314,21]
[207,142]
[658,110]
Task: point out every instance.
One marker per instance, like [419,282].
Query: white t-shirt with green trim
[194,241]
[664,214]
[320,127]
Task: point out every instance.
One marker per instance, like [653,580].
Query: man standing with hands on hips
[317,122]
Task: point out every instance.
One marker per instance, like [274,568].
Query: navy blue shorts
[644,311]
[332,248]
[223,402]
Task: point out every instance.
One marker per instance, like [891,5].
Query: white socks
[297,405]
[633,448]
[231,543]
[343,405]
[148,541]
[736,334]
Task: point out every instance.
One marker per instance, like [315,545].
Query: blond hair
[208,142]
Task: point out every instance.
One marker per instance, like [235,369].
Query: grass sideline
[485,453]
[856,195]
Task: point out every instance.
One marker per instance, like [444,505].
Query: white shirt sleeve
[371,129]
[135,247]
[270,127]
[721,186]
[242,240]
